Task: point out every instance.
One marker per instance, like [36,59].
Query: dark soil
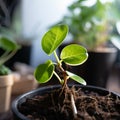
[57,106]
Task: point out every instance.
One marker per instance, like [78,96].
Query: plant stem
[7,57]
[57,76]
[55,54]
[4,54]
[65,77]
[73,105]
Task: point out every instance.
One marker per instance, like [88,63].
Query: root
[73,106]
[69,100]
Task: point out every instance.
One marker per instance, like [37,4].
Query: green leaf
[4,70]
[74,54]
[44,72]
[53,38]
[76,78]
[7,44]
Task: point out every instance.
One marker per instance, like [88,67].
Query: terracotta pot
[6,83]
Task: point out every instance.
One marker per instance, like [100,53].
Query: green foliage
[115,8]
[7,44]
[44,72]
[76,78]
[4,70]
[53,38]
[89,24]
[9,48]
[72,55]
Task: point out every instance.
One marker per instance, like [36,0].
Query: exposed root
[73,106]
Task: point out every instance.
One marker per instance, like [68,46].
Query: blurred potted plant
[6,78]
[90,26]
[15,32]
[115,39]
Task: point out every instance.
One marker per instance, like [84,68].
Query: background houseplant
[116,30]
[6,78]
[19,63]
[9,49]
[63,102]
[91,26]
[14,30]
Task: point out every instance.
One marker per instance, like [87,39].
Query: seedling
[71,55]
[9,49]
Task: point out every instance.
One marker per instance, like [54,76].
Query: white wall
[37,16]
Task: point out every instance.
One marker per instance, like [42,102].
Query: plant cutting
[6,79]
[66,102]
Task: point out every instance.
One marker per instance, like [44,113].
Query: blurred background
[27,21]
[92,23]
[95,24]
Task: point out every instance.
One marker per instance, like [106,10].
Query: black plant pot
[40,91]
[96,70]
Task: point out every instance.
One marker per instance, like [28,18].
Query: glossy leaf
[53,38]
[44,72]
[74,54]
[76,78]
[7,44]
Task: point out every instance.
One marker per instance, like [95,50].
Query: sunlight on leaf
[8,44]
[74,54]
[53,38]
[44,72]
[76,78]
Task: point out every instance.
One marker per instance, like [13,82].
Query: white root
[73,105]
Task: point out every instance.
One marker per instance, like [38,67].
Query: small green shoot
[72,55]
[9,48]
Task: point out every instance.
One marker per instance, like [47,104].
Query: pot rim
[16,102]
[104,50]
